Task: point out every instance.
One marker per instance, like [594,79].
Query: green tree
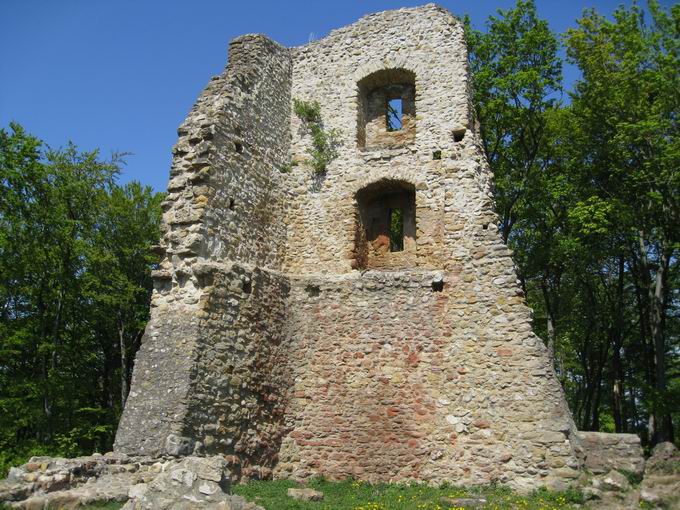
[75,258]
[626,106]
[587,195]
[516,79]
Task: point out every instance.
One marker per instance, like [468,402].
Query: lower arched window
[386,225]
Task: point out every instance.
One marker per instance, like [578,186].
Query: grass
[355,495]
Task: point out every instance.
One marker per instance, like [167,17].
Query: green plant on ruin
[324,142]
[287,167]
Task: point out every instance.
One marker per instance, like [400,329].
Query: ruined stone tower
[363,322]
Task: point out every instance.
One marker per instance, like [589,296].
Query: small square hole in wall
[313,290]
[231,204]
[458,135]
[238,147]
[437,155]
[394,114]
[437,285]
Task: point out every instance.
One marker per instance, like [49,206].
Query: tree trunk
[618,391]
[661,428]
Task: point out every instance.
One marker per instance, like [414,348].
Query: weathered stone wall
[603,452]
[225,203]
[427,42]
[269,342]
[241,372]
[157,403]
[395,381]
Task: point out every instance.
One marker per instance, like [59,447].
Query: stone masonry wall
[224,204]
[427,42]
[397,381]
[241,375]
[393,380]
[269,341]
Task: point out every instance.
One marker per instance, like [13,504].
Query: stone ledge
[604,451]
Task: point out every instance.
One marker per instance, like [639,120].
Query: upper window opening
[386,114]
[394,112]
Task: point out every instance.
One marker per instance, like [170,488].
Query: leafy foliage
[75,285]
[589,193]
[324,142]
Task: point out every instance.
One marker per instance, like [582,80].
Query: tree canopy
[75,284]
[588,194]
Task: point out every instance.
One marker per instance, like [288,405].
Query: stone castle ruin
[362,321]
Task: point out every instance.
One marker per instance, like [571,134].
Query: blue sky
[121,75]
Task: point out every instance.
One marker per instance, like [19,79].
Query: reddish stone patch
[234,460]
[482,424]
[504,351]
[419,409]
[413,359]
[301,434]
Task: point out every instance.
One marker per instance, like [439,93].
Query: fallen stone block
[305,494]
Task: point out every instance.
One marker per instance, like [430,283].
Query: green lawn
[354,495]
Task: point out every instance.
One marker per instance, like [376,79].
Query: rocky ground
[657,486]
[140,483]
[205,482]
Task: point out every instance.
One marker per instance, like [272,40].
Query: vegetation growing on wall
[324,141]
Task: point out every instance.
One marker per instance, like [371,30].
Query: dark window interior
[385,235]
[386,113]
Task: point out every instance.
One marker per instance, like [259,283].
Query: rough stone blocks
[363,322]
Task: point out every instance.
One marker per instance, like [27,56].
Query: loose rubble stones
[145,483]
[305,494]
[661,484]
